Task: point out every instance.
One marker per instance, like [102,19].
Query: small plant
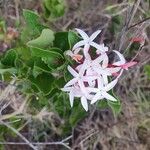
[40,66]
[92,72]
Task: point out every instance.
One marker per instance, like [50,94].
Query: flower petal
[129,64]
[76,51]
[108,96]
[82,87]
[105,60]
[82,33]
[69,52]
[113,70]
[72,71]
[85,51]
[97,97]
[82,69]
[122,59]
[100,83]
[101,71]
[120,73]
[71,82]
[84,103]
[66,89]
[111,85]
[92,83]
[105,79]
[79,67]
[98,59]
[94,35]
[71,98]
[92,90]
[89,96]
[103,48]
[79,44]
[89,78]
[97,46]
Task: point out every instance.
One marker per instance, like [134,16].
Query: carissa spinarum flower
[90,76]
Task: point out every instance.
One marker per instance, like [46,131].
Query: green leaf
[43,82]
[61,41]
[65,40]
[115,24]
[37,104]
[51,57]
[23,53]
[32,20]
[102,104]
[73,38]
[39,67]
[115,106]
[44,40]
[54,8]
[61,104]
[25,86]
[77,113]
[67,75]
[9,58]
[60,82]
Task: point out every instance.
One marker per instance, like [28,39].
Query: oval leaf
[51,57]
[44,40]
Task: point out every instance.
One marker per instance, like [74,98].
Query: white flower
[88,41]
[95,66]
[103,48]
[75,91]
[90,78]
[98,67]
[101,91]
[79,79]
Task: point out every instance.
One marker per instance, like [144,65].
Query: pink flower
[90,77]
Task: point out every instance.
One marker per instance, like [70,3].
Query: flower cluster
[91,77]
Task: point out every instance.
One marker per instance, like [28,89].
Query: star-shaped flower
[98,67]
[90,77]
[101,91]
[75,91]
[79,79]
[88,41]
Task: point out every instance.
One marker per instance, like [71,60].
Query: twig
[116,5]
[39,143]
[20,135]
[146,19]
[142,27]
[128,22]
[138,52]
[133,11]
